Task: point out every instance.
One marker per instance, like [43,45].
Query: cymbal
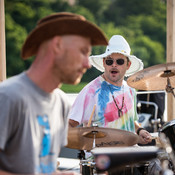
[82,138]
[154,78]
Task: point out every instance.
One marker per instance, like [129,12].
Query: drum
[135,169]
[87,167]
[169,130]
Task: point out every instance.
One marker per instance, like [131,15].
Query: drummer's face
[115,66]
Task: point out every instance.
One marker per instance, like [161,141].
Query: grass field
[73,88]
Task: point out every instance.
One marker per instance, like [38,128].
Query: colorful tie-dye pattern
[100,92]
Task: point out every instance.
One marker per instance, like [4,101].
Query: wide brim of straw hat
[62,24]
[136,63]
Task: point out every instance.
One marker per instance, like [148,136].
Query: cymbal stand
[169,88]
[94,133]
[86,166]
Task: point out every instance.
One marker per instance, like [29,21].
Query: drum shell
[137,169]
[169,130]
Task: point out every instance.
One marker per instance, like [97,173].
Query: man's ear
[103,62]
[129,64]
[56,43]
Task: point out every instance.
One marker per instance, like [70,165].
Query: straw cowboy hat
[63,23]
[117,44]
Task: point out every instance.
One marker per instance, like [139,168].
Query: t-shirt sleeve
[83,106]
[7,122]
[65,111]
[77,110]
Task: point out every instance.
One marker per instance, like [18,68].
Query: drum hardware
[154,121]
[165,168]
[168,164]
[158,77]
[86,138]
[166,145]
[169,88]
[87,167]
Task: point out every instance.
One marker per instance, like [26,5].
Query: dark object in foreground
[109,159]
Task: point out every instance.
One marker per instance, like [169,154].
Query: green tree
[142,23]
[151,52]
[15,35]
[97,7]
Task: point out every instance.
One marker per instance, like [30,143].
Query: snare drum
[169,130]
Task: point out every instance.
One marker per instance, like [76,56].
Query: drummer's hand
[144,137]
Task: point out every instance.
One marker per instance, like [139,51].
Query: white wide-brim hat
[117,44]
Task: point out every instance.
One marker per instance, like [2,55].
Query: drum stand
[87,166]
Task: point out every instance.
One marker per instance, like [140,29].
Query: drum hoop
[168,125]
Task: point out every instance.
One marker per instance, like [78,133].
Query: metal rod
[156,112]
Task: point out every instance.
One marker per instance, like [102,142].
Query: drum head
[169,130]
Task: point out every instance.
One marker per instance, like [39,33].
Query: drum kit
[87,138]
[158,77]
[115,149]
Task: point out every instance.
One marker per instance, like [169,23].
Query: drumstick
[154,135]
[90,120]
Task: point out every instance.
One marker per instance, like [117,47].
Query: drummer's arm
[5,173]
[73,123]
[137,126]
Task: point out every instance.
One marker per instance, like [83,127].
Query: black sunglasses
[110,61]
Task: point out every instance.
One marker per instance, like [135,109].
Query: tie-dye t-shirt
[99,93]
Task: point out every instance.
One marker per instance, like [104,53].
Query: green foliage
[97,7]
[91,74]
[149,26]
[82,11]
[73,88]
[151,52]
[15,35]
[141,22]
[119,10]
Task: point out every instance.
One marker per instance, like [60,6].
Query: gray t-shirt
[33,126]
